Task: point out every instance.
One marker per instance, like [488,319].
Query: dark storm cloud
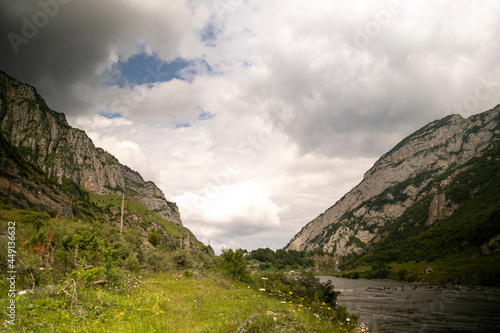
[61,45]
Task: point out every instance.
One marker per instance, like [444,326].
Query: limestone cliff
[397,181]
[43,137]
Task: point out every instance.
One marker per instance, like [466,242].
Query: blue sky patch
[109,115]
[209,35]
[144,69]
[182,125]
[205,115]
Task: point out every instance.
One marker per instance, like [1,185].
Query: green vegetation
[135,210]
[233,263]
[83,275]
[167,302]
[281,260]
[450,243]
[468,267]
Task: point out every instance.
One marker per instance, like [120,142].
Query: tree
[234,263]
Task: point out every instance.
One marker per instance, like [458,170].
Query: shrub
[182,260]
[234,263]
[154,238]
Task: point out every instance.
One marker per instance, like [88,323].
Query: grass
[467,267]
[168,302]
[134,206]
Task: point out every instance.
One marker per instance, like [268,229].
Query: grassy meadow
[170,302]
[83,275]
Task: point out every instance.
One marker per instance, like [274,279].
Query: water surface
[413,307]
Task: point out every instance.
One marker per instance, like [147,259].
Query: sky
[254,116]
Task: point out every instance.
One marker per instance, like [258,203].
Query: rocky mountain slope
[426,179]
[43,138]
[23,184]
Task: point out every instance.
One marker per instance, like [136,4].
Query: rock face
[44,138]
[396,182]
[491,246]
[24,184]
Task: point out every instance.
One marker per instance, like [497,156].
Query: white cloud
[300,107]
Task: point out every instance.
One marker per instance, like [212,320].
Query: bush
[306,286]
[182,261]
[154,238]
[234,263]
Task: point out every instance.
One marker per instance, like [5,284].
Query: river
[395,306]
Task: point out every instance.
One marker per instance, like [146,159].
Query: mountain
[435,193]
[44,138]
[49,165]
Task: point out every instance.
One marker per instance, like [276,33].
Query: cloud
[85,37]
[229,210]
[282,107]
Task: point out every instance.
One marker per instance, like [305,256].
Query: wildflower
[161,311]
[290,293]
[328,308]
[348,319]
[121,313]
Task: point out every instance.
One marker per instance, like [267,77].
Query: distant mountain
[49,165]
[435,193]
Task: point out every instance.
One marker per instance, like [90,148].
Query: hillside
[434,194]
[44,138]
[48,165]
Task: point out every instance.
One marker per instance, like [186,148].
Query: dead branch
[74,297]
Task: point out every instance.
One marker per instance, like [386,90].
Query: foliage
[53,250]
[281,259]
[307,292]
[154,238]
[234,264]
[165,302]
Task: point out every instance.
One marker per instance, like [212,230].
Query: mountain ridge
[394,184]
[44,138]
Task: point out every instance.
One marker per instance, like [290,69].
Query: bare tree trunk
[123,205]
[75,260]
